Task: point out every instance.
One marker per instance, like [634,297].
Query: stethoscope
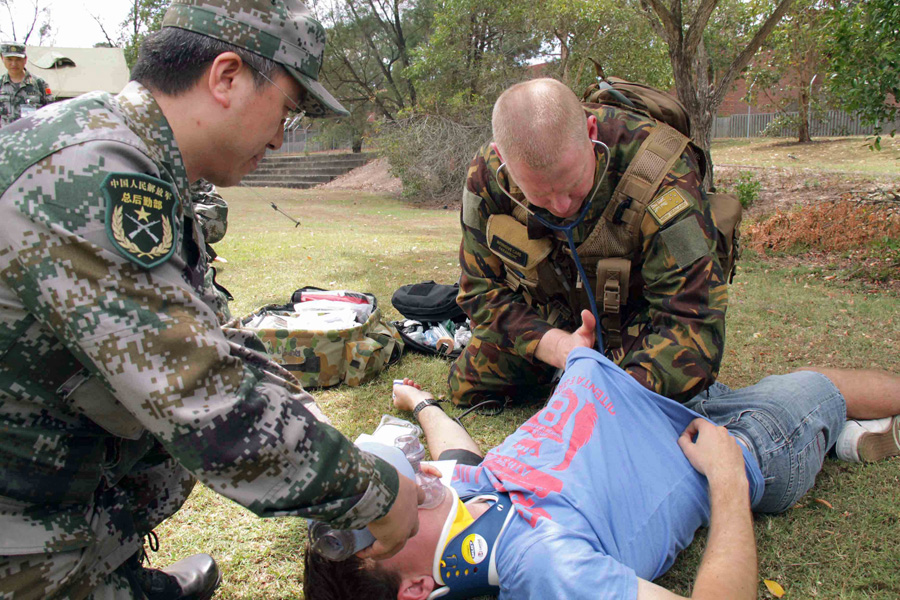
[567,230]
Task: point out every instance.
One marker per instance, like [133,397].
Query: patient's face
[417,556]
[419,546]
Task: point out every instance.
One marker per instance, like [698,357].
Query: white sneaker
[866,441]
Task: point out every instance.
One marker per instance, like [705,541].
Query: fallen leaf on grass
[773,587]
[824,503]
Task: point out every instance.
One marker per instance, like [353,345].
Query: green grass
[835,155]
[778,320]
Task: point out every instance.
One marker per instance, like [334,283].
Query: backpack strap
[642,178]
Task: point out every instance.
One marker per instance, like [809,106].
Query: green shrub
[747,188]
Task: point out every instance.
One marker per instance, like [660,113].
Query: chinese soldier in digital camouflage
[118,387]
[21,93]
[519,284]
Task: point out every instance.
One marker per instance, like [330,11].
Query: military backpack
[639,185]
[327,337]
[665,108]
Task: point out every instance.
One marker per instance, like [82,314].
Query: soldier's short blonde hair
[534,121]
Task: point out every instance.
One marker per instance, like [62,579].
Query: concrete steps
[303,171]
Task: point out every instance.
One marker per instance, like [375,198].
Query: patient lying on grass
[596,494]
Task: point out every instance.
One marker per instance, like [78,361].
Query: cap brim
[319,102]
[13,54]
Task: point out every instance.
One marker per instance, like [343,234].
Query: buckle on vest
[611,294]
[620,210]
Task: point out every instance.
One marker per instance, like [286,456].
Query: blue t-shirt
[603,491]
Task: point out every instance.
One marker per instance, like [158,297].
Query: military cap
[281,30]
[12,49]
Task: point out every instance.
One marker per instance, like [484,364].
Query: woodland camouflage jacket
[674,322]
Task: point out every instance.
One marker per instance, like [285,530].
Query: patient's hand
[714,452]
[408,394]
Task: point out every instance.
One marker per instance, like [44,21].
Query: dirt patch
[374,177]
[783,189]
[841,270]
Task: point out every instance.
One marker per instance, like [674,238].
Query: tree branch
[33,21]
[103,29]
[698,24]
[743,59]
[671,26]
[653,19]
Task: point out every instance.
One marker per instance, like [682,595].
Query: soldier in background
[519,284]
[118,387]
[21,93]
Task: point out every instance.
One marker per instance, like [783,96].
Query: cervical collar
[466,565]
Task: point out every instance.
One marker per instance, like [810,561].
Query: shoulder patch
[686,242]
[668,205]
[140,217]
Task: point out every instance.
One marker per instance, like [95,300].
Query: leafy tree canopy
[864,60]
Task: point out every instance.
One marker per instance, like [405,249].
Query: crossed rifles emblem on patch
[141,224]
[140,217]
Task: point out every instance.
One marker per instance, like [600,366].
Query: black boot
[193,578]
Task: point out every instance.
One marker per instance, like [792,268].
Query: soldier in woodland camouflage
[673,325]
[118,387]
[21,93]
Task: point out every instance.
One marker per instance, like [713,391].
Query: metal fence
[831,123]
[311,140]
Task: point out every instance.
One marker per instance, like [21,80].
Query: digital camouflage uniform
[674,321]
[16,98]
[211,211]
[117,385]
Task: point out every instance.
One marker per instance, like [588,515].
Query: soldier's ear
[592,128]
[497,150]
[222,77]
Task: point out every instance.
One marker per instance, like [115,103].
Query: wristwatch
[424,404]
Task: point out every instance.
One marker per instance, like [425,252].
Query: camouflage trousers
[121,516]
[484,371]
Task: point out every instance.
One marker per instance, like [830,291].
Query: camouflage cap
[282,30]
[12,49]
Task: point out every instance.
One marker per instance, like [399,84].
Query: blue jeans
[789,422]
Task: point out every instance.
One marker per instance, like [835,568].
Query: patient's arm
[441,432]
[728,569]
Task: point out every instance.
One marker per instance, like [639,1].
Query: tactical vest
[534,266]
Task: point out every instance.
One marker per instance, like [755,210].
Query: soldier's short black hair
[353,578]
[172,60]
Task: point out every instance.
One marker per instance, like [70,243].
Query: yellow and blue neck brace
[465,562]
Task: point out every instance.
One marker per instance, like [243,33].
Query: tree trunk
[690,65]
[803,110]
